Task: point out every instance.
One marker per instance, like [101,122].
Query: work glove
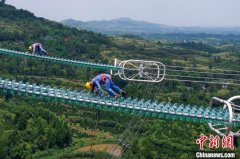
[116,96]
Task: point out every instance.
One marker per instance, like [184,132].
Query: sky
[203,13]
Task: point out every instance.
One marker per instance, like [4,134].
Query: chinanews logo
[227,141]
[215,142]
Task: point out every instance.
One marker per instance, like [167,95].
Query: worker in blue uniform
[112,89]
[37,49]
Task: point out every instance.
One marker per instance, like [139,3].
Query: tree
[3,1]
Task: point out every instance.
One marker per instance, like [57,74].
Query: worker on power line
[110,87]
[37,49]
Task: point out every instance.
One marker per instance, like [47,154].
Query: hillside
[36,128]
[143,28]
[24,28]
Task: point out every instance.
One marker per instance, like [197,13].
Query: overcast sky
[170,12]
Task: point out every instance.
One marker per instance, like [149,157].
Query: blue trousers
[41,51]
[111,88]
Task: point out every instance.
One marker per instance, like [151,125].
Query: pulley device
[232,107]
[140,70]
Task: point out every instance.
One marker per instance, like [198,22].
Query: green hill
[24,28]
[124,26]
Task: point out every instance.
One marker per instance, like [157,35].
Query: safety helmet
[30,48]
[88,85]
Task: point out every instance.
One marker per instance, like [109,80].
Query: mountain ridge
[128,26]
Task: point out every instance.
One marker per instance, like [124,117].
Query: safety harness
[104,78]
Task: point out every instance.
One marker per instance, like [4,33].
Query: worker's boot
[124,94]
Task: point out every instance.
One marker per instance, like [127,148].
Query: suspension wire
[135,135]
[236,105]
[206,82]
[136,69]
[134,75]
[212,78]
[128,132]
[200,81]
[114,147]
[171,70]
[127,135]
[124,140]
[95,127]
[197,77]
[130,123]
[215,69]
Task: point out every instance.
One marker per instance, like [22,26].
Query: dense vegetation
[26,129]
[36,129]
